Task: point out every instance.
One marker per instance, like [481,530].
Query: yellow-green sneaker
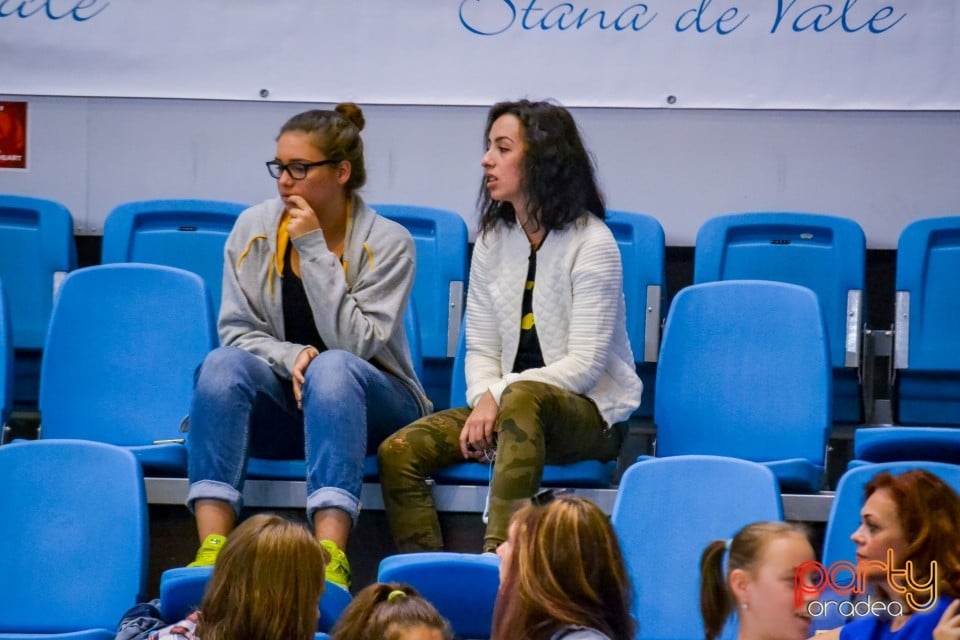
[338,567]
[208,551]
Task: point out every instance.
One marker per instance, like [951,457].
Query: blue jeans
[241,408]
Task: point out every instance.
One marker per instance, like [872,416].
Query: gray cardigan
[357,305]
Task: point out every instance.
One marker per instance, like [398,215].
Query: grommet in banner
[264,93]
[671,99]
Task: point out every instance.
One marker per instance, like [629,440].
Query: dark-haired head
[558,179]
[388,611]
[336,134]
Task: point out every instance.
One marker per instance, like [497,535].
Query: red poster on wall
[13,135]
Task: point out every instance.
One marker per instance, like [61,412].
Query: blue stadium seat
[265,468]
[6,361]
[462,586]
[926,339]
[119,362]
[744,372]
[926,354]
[889,444]
[583,474]
[666,512]
[643,254]
[188,234]
[440,237]
[73,520]
[36,251]
[824,253]
[182,589]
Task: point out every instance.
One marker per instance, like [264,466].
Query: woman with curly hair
[549,368]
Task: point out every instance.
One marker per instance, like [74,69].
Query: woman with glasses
[562,574]
[314,358]
[549,368]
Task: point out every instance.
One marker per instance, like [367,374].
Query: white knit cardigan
[579,311]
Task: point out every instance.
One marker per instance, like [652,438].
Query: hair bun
[351,113]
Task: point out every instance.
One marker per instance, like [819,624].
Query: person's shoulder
[579,633]
[859,628]
[259,215]
[921,624]
[381,236]
[589,229]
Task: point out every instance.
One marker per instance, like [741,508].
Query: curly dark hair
[558,174]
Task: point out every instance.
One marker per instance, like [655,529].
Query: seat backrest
[643,256]
[928,261]
[848,499]
[642,253]
[411,326]
[826,254]
[926,340]
[123,345]
[6,360]
[458,379]
[744,372]
[665,513]
[188,234]
[182,589]
[440,237]
[443,578]
[73,520]
[36,249]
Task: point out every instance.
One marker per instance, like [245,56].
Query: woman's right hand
[949,626]
[302,217]
[477,435]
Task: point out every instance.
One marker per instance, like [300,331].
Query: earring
[744,605]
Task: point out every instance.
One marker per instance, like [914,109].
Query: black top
[529,355]
[298,324]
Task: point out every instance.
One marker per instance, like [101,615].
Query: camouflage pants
[537,424]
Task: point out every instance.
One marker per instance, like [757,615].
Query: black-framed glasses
[546,496]
[297,170]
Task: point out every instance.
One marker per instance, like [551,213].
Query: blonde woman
[266,586]
[562,574]
[390,611]
[751,576]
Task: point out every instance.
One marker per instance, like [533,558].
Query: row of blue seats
[824,253]
[95,492]
[743,371]
[821,252]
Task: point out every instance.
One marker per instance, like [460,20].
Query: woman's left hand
[949,626]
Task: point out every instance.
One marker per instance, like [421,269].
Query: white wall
[883,169]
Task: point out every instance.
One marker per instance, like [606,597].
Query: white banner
[778,54]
